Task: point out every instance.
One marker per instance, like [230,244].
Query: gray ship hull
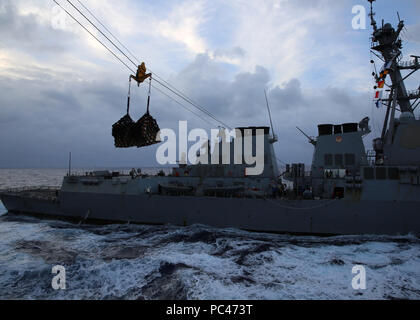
[327,217]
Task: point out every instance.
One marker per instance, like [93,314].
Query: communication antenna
[69,164]
[311,140]
[275,139]
[372,15]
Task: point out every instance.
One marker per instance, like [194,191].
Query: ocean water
[196,262]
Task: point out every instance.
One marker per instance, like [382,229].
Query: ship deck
[42,193]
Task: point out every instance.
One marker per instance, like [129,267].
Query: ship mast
[387,42]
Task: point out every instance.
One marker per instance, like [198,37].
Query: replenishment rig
[348,190]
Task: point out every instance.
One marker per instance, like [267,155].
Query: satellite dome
[387,27]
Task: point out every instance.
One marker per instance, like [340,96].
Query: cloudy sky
[61,91]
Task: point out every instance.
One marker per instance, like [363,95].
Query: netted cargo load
[121,131]
[142,133]
[145,131]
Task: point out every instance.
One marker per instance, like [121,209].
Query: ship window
[393,173]
[335,173]
[338,159]
[328,160]
[350,159]
[380,173]
[368,173]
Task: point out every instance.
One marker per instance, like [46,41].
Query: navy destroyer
[349,190]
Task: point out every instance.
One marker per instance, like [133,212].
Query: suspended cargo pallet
[121,132]
[142,133]
[145,131]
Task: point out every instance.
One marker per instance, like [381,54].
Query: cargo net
[121,132]
[143,133]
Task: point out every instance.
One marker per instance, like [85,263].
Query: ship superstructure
[341,167]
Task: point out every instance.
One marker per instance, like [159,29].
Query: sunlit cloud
[59,86]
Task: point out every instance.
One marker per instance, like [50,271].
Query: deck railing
[33,188]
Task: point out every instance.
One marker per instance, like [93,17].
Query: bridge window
[350,159]
[338,159]
[328,160]
[380,173]
[335,173]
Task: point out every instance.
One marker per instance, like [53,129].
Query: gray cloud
[40,126]
[27,33]
[43,117]
[232,53]
[289,96]
[413,33]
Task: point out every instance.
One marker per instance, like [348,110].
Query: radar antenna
[371,15]
[387,42]
[311,140]
[274,139]
[387,45]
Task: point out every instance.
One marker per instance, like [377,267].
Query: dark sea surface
[196,262]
